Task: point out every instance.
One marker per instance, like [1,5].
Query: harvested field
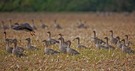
[90,59]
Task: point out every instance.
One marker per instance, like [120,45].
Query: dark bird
[24,26]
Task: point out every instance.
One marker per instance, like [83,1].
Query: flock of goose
[123,44]
[64,46]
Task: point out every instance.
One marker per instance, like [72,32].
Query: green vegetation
[67,5]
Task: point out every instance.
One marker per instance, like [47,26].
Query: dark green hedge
[67,5]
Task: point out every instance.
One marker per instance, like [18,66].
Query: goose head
[126,36]
[69,43]
[106,38]
[118,38]
[76,38]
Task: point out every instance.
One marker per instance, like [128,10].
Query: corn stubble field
[90,59]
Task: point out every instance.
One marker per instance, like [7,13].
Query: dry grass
[89,60]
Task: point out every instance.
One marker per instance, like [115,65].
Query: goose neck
[29,43]
[7,44]
[78,41]
[15,44]
[94,34]
[49,35]
[106,41]
[111,34]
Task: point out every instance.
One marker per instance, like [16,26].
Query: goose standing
[107,44]
[96,40]
[127,42]
[50,40]
[78,43]
[48,50]
[119,44]
[82,25]
[64,43]
[70,50]
[33,25]
[5,36]
[62,46]
[43,26]
[18,51]
[56,25]
[113,39]
[8,48]
[29,46]
[5,27]
[125,48]
[10,22]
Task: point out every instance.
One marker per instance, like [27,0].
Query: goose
[57,25]
[113,39]
[17,51]
[119,44]
[78,43]
[43,26]
[10,22]
[8,48]
[125,48]
[20,48]
[7,39]
[107,44]
[5,27]
[33,25]
[100,46]
[50,40]
[14,25]
[82,25]
[127,42]
[96,40]
[62,47]
[64,43]
[24,26]
[8,42]
[70,50]
[29,46]
[61,36]
[48,50]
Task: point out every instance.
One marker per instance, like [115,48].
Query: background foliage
[67,5]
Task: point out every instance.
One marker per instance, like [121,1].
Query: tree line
[67,5]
